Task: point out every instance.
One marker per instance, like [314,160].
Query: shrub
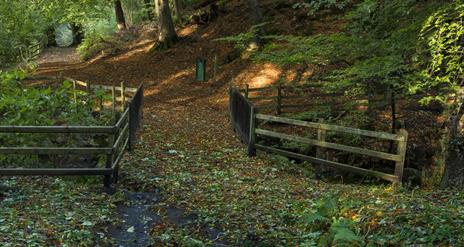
[23,105]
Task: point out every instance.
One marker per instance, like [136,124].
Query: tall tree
[257,18]
[454,151]
[149,9]
[119,15]
[157,8]
[177,10]
[167,34]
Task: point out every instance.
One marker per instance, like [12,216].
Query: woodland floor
[189,181]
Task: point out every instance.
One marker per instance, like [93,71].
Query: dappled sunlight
[269,74]
[258,75]
[141,48]
[187,31]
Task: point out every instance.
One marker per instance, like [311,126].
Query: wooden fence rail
[281,92]
[241,108]
[121,136]
[284,97]
[320,142]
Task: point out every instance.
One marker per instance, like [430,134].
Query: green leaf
[87,223]
[344,234]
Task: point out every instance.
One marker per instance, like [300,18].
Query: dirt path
[186,144]
[192,118]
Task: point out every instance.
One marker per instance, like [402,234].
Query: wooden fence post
[279,98]
[74,92]
[123,98]
[113,100]
[109,159]
[252,138]
[320,152]
[401,150]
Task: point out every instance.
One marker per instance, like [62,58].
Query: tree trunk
[178,10]
[167,35]
[148,6]
[119,15]
[157,8]
[257,18]
[453,150]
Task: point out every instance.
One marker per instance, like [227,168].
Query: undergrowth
[404,47]
[22,105]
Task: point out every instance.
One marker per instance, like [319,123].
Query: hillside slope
[189,155]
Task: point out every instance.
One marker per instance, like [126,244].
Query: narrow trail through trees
[190,117]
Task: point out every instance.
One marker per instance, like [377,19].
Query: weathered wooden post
[109,164]
[401,151]
[113,100]
[252,137]
[320,152]
[123,96]
[74,92]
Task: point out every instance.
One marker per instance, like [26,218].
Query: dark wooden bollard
[200,74]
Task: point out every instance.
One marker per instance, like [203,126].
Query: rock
[64,35]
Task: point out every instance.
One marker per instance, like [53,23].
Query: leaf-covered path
[211,193]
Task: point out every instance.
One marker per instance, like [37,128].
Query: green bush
[313,6]
[24,106]
[20,27]
[98,34]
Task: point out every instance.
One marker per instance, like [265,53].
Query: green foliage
[242,40]
[20,26]
[21,105]
[326,221]
[318,49]
[98,33]
[135,11]
[441,51]
[55,212]
[379,47]
[25,23]
[313,6]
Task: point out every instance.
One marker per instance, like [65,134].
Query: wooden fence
[321,143]
[283,97]
[241,108]
[30,53]
[278,95]
[120,136]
